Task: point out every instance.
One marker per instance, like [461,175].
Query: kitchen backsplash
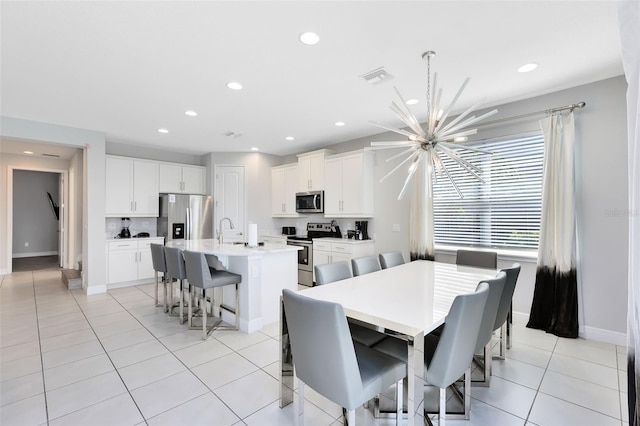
[301,224]
[113,226]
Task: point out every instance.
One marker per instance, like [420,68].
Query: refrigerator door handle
[188,225]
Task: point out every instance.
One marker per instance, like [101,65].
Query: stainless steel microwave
[310,202]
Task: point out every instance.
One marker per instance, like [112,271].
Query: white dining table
[412,300]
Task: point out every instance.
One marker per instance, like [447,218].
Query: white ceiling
[129,68]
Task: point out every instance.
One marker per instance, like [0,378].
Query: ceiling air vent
[232,134]
[377,76]
[51,155]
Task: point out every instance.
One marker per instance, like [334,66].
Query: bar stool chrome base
[204,314]
[181,303]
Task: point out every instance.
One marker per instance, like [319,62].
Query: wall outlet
[145,224]
[111,225]
[26,244]
[395,227]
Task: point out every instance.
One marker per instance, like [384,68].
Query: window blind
[505,211]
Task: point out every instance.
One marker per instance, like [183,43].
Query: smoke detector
[232,134]
[377,76]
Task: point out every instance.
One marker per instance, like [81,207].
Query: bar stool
[159,265]
[204,277]
[176,270]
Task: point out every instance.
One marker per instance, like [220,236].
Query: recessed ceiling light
[234,85]
[163,131]
[412,101]
[528,67]
[190,113]
[309,38]
[289,138]
[339,123]
[28,152]
[254,149]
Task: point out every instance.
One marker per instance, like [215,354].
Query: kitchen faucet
[220,238]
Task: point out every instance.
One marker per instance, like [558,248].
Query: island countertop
[211,246]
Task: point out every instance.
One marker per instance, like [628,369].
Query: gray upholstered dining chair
[448,356]
[391,259]
[330,272]
[496,289]
[503,316]
[338,271]
[326,358]
[159,266]
[365,265]
[480,259]
[176,270]
[204,277]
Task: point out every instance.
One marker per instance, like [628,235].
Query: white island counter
[265,272]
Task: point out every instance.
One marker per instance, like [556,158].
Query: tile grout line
[171,352]
[44,383]
[110,360]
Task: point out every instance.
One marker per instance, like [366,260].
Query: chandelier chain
[428,86]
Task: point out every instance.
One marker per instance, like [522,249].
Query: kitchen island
[265,271]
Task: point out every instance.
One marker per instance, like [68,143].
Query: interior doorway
[38,219]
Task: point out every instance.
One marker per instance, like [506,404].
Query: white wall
[34,222]
[93,168]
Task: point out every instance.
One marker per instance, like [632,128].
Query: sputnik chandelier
[437,138]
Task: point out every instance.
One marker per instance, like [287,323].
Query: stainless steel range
[305,256]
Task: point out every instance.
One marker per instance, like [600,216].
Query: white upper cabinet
[349,180]
[131,187]
[284,185]
[182,179]
[311,173]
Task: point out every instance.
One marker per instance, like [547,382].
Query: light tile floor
[115,359]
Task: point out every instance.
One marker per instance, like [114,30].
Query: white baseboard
[586,332]
[606,336]
[124,284]
[35,254]
[95,289]
[4,271]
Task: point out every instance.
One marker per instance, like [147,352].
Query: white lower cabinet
[130,259]
[330,250]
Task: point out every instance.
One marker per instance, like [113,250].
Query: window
[504,212]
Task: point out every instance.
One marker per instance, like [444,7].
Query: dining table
[407,301]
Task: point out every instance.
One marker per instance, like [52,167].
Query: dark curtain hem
[631,396]
[555,302]
[421,256]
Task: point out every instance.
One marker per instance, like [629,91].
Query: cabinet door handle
[135,206]
[131,205]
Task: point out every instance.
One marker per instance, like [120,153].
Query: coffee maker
[124,233]
[361,230]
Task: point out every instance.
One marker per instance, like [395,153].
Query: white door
[62,216]
[229,199]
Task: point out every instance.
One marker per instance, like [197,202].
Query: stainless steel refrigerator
[185,217]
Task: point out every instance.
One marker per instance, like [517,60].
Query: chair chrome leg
[399,402]
[204,314]
[467,394]
[155,276]
[509,329]
[442,411]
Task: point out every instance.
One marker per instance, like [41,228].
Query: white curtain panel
[421,244]
[555,297]
[557,246]
[629,23]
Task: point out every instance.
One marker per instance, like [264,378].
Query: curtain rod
[571,107]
